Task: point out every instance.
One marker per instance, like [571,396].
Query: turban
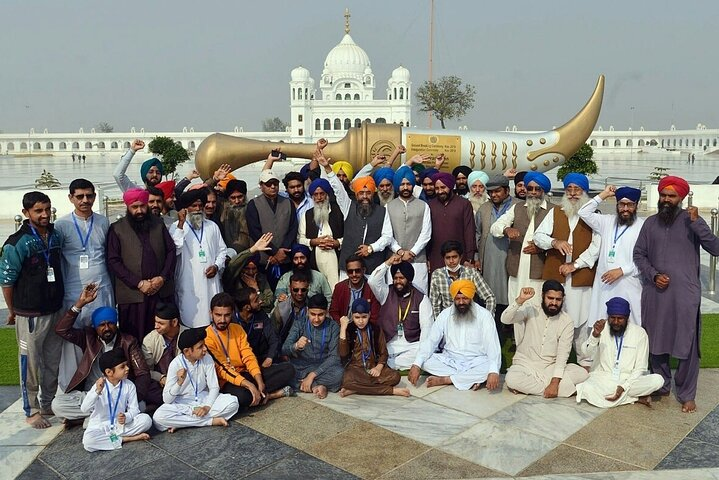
[677,184]
[236,186]
[540,179]
[223,183]
[111,359]
[405,268]
[102,315]
[320,183]
[317,301]
[478,175]
[463,169]
[191,337]
[135,195]
[253,259]
[618,306]
[463,286]
[427,172]
[383,173]
[633,194]
[148,164]
[167,188]
[166,311]
[418,167]
[299,248]
[445,178]
[306,173]
[191,196]
[577,179]
[402,173]
[519,177]
[359,184]
[345,167]
[360,306]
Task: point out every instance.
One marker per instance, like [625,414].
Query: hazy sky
[163,65]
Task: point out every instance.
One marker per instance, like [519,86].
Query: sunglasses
[81,196]
[354,270]
[298,290]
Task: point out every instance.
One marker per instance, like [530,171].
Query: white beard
[195,219]
[477,201]
[570,208]
[322,213]
[385,200]
[533,206]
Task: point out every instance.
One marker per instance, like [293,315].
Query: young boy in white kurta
[115,417]
[192,393]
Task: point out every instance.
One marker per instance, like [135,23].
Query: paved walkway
[436,433]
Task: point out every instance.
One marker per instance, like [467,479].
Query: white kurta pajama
[471,350]
[326,260]
[628,286]
[97,434]
[633,359]
[576,299]
[193,290]
[82,237]
[200,388]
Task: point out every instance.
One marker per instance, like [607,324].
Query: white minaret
[302,93]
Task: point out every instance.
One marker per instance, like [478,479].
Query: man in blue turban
[300,256]
[151,170]
[571,253]
[384,179]
[616,273]
[321,228]
[620,352]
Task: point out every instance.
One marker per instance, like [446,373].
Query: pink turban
[135,195]
[677,184]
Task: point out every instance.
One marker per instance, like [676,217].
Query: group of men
[444,265]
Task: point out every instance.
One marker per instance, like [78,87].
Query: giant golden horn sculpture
[530,151]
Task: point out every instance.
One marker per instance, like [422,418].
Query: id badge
[616,372]
[202,255]
[610,256]
[50,274]
[84,262]
[115,439]
[400,331]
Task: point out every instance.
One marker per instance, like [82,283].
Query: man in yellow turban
[471,356]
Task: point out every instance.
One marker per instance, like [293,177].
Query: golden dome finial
[347,20]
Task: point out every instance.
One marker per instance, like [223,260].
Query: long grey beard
[322,213]
[384,200]
[477,202]
[570,208]
[533,206]
[462,317]
[195,219]
[365,209]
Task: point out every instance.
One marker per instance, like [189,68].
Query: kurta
[620,240]
[82,237]
[492,251]
[471,350]
[453,221]
[364,349]
[671,316]
[326,260]
[543,346]
[197,251]
[631,351]
[320,355]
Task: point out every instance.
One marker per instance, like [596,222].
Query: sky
[168,64]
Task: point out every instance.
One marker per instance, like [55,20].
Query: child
[115,417]
[363,350]
[192,394]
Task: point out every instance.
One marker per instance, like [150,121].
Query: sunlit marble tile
[14,431]
[481,403]
[364,407]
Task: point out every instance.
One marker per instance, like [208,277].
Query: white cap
[267,175]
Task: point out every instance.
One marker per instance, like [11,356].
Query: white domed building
[346,97]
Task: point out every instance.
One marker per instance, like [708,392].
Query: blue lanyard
[83,241]
[369,352]
[242,324]
[202,233]
[189,375]
[222,344]
[619,342]
[356,295]
[45,250]
[616,229]
[113,410]
[308,331]
[449,278]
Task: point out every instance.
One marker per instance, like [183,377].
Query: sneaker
[289,392]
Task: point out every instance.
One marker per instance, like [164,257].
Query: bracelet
[75,309]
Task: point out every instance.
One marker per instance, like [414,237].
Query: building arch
[191,144]
[11,147]
[318,124]
[36,146]
[358,122]
[338,124]
[356,97]
[101,145]
[299,94]
[327,124]
[640,143]
[293,93]
[113,145]
[593,143]
[338,96]
[401,93]
[76,145]
[348,123]
[605,143]
[617,143]
[630,143]
[23,146]
[348,96]
[126,145]
[381,120]
[88,145]
[49,146]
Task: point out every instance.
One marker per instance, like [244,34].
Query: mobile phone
[277,153]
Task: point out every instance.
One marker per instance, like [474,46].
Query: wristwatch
[370,249]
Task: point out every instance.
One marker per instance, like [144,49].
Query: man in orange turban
[361,183]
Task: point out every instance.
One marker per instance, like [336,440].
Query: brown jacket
[91,345]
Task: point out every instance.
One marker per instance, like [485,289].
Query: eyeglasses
[354,270]
[81,196]
[298,290]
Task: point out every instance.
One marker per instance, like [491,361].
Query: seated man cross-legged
[471,355]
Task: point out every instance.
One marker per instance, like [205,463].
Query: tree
[580,162]
[446,98]
[170,152]
[104,127]
[273,125]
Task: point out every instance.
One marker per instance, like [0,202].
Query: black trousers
[276,376]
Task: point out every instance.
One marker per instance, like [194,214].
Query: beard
[550,312]
[533,205]
[385,197]
[621,221]
[570,208]
[667,212]
[461,313]
[157,211]
[139,224]
[195,219]
[461,190]
[365,209]
[429,194]
[322,212]
[617,331]
[477,202]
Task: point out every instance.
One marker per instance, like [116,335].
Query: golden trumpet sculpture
[492,152]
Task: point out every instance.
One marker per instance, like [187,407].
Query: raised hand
[99,385]
[439,161]
[598,327]
[525,294]
[192,174]
[87,295]
[609,191]
[137,145]
[301,343]
[222,172]
[693,213]
[263,243]
[181,373]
